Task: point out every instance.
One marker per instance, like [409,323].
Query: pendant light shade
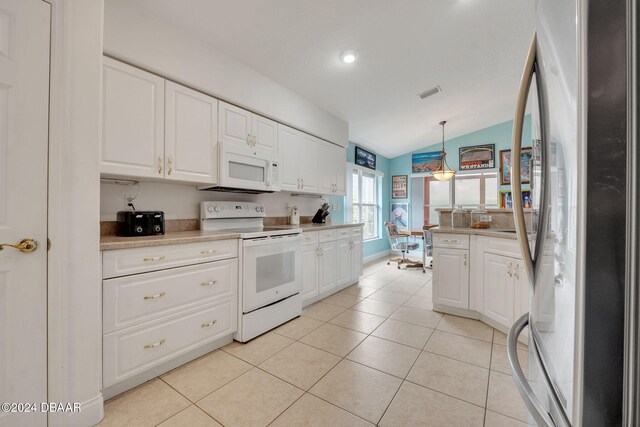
[444,173]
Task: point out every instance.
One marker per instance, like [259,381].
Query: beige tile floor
[372,354]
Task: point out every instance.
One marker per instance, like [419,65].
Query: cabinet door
[327,171]
[344,261]
[327,266]
[451,277]
[308,162]
[234,125]
[289,154]
[356,260]
[499,295]
[309,271]
[132,122]
[266,133]
[191,129]
[340,169]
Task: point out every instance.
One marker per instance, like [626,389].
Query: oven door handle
[288,238]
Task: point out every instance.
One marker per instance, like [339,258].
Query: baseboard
[376,256]
[91,413]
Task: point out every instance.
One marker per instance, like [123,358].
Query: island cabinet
[481,277]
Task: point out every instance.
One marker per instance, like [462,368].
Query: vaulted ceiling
[473,49]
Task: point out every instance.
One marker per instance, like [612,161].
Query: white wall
[183,201]
[139,38]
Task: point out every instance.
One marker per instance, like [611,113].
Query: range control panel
[219,210]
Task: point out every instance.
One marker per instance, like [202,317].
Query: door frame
[73,262]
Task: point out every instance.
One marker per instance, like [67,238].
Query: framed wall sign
[399,186]
[525,166]
[426,162]
[400,215]
[478,157]
[365,158]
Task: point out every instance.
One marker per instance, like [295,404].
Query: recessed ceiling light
[349,56]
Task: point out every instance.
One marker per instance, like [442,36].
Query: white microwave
[245,170]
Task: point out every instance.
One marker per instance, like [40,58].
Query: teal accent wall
[499,134]
[382,165]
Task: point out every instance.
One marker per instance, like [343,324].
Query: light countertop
[111,242]
[506,234]
[108,243]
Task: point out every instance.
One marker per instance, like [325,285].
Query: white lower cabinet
[327,277]
[335,258]
[483,279]
[499,288]
[158,305]
[451,277]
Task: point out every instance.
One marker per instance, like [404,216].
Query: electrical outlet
[334,207]
[485,218]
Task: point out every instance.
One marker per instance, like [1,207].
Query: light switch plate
[485,218]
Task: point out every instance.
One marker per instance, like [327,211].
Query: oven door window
[275,270]
[271,271]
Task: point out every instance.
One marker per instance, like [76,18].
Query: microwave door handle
[267,181]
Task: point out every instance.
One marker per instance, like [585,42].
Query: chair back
[392,233]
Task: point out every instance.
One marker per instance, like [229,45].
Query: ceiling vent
[427,93]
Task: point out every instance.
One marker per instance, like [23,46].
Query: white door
[265,132]
[327,266]
[499,288]
[24,107]
[132,121]
[289,155]
[191,131]
[356,260]
[344,261]
[234,125]
[309,271]
[451,277]
[308,161]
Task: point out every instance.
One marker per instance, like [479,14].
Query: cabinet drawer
[309,237]
[131,351]
[356,232]
[131,300]
[123,262]
[344,233]
[327,235]
[500,246]
[450,240]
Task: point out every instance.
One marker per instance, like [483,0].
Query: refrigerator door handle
[516,186]
[540,415]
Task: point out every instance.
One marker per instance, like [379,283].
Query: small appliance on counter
[321,216]
[139,223]
[295,216]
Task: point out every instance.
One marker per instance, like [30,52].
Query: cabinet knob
[170,163]
[465,259]
[159,165]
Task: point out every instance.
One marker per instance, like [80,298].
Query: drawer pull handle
[450,241]
[208,325]
[209,283]
[156,296]
[153,258]
[155,344]
[207,252]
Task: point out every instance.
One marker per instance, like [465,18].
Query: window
[365,201]
[468,190]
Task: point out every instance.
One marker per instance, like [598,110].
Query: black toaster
[140,223]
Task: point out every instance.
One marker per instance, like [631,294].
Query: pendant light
[444,173]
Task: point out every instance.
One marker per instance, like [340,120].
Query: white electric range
[270,274]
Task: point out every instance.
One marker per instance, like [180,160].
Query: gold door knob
[25,245]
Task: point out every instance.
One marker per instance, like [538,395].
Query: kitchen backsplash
[183,201]
[501,219]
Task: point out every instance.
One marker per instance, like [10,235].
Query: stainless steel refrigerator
[575,86]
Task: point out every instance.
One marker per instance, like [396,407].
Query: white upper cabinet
[332,174]
[191,128]
[308,161]
[244,128]
[132,122]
